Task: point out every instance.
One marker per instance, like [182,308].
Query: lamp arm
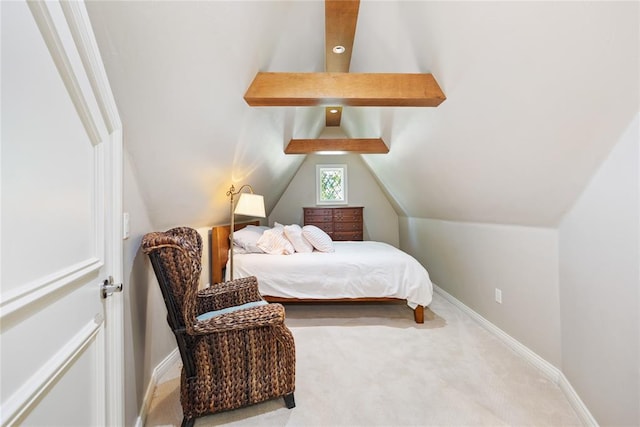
[231,235]
[232,191]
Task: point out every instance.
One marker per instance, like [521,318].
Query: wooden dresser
[344,223]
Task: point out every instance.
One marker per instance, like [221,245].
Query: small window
[331,184]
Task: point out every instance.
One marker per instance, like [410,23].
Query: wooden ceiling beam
[352,145]
[353,89]
[340,19]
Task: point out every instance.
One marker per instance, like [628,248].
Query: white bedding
[354,270]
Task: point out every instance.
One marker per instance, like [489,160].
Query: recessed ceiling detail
[336,87]
[333,116]
[353,145]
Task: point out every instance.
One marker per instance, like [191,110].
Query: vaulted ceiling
[537,95]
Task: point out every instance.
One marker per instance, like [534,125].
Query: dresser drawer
[347,235]
[347,215]
[324,226]
[339,223]
[314,218]
[347,226]
[318,211]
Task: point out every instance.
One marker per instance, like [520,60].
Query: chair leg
[289,401]
[188,422]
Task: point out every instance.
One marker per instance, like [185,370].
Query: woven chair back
[176,258]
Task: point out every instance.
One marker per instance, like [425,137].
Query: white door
[60,342]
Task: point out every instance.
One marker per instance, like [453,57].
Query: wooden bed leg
[418,314]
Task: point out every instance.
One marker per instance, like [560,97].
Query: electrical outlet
[498,296]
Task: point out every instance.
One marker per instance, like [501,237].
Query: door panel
[59,161]
[84,390]
[49,157]
[31,336]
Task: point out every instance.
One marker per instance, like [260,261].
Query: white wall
[380,219]
[470,260]
[571,294]
[600,287]
[205,234]
[148,338]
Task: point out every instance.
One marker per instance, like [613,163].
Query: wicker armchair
[236,357]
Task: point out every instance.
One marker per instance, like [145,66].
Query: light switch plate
[126,227]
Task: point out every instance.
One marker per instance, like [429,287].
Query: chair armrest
[228,294]
[265,315]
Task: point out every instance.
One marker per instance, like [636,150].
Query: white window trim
[319,169]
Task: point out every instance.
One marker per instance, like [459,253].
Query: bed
[356,271]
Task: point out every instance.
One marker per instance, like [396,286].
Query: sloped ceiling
[537,95]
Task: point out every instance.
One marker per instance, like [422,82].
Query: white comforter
[354,270]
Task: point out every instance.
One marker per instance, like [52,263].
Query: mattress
[354,270]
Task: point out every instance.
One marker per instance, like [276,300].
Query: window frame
[319,171]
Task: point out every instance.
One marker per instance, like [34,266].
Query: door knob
[108,287]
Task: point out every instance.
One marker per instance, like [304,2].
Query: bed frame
[219,252]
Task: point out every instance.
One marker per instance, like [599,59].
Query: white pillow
[274,242]
[293,232]
[237,250]
[318,238]
[247,238]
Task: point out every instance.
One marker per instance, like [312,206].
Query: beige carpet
[371,365]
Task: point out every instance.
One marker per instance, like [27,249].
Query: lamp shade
[250,205]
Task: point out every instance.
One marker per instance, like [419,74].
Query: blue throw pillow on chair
[210,314]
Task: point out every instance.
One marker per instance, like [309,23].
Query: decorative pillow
[247,238]
[318,238]
[293,232]
[274,242]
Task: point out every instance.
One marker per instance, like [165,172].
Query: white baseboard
[547,369]
[162,368]
[576,402]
